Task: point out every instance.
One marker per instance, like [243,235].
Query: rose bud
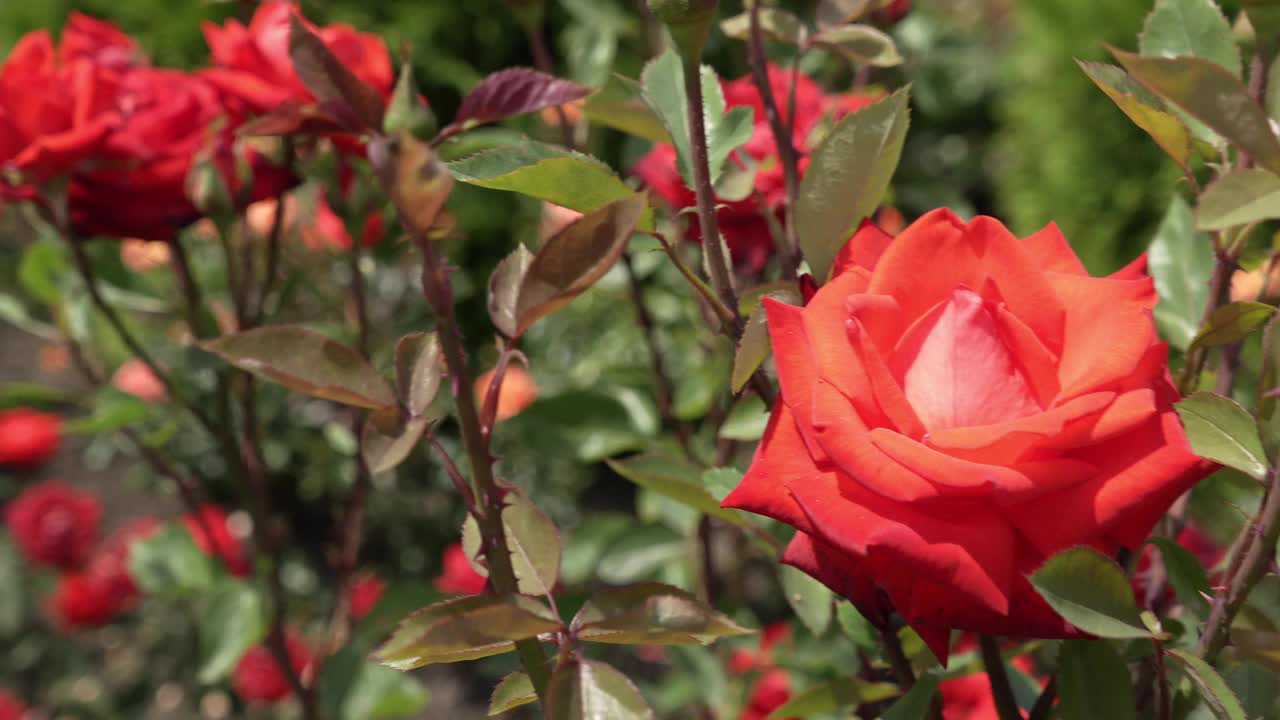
[259,679]
[517,393]
[135,378]
[949,420]
[228,547]
[457,576]
[28,437]
[364,595]
[54,524]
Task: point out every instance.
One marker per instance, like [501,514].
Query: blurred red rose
[457,576]
[365,593]
[28,437]
[319,229]
[11,708]
[54,524]
[944,493]
[53,115]
[258,678]
[771,691]
[229,548]
[744,660]
[85,600]
[99,42]
[742,222]
[111,560]
[969,697]
[136,378]
[253,63]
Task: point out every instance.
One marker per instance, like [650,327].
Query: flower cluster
[146,150]
[744,222]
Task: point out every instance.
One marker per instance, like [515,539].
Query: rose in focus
[743,222]
[957,406]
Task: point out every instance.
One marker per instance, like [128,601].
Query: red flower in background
[742,222]
[772,688]
[228,547]
[136,378]
[457,576]
[969,697]
[110,562]
[28,437]
[11,708]
[54,524]
[947,423]
[85,600]
[365,593]
[53,115]
[254,66]
[258,678]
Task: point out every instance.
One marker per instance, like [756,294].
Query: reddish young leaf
[513,91]
[294,117]
[337,89]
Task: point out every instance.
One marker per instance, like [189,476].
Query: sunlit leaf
[1144,108]
[1190,27]
[419,368]
[512,691]
[619,105]
[861,44]
[1180,261]
[674,478]
[1222,702]
[1233,322]
[1222,431]
[651,613]
[593,690]
[812,602]
[1089,590]
[563,177]
[1186,575]
[465,628]
[775,24]
[1238,198]
[513,91]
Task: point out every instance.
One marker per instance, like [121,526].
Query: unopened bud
[689,22]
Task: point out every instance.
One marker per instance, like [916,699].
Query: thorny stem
[782,138]
[1163,706]
[718,267]
[722,312]
[1219,293]
[187,282]
[901,665]
[489,411]
[489,497]
[1256,552]
[1001,691]
[661,382]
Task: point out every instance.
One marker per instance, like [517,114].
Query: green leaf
[353,688]
[1222,431]
[419,368]
[651,613]
[856,627]
[41,271]
[563,177]
[1233,322]
[747,420]
[812,602]
[1268,408]
[1190,27]
[169,562]
[1212,95]
[512,691]
[619,105]
[677,479]
[642,553]
[513,91]
[754,347]
[847,177]
[588,543]
[1144,108]
[12,594]
[915,704]
[775,24]
[112,410]
[1093,682]
[234,620]
[838,12]
[1180,261]
[663,90]
[1212,688]
[1186,575]
[721,481]
[534,541]
[387,439]
[592,690]
[860,44]
[1240,197]
[844,695]
[307,362]
[1089,590]
[523,290]
[406,111]
[465,628]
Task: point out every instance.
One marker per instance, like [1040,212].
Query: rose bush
[947,423]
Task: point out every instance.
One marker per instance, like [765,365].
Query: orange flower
[135,378]
[517,393]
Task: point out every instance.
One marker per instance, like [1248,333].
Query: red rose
[258,678]
[11,708]
[228,547]
[85,600]
[744,660]
[742,222]
[254,64]
[364,595]
[458,577]
[949,420]
[771,691]
[52,114]
[111,561]
[99,42]
[54,524]
[28,437]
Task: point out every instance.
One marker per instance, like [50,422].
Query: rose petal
[780,457]
[1052,251]
[842,574]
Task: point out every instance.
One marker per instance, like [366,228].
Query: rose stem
[1001,691]
[902,666]
[1044,703]
[270,273]
[782,138]
[489,501]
